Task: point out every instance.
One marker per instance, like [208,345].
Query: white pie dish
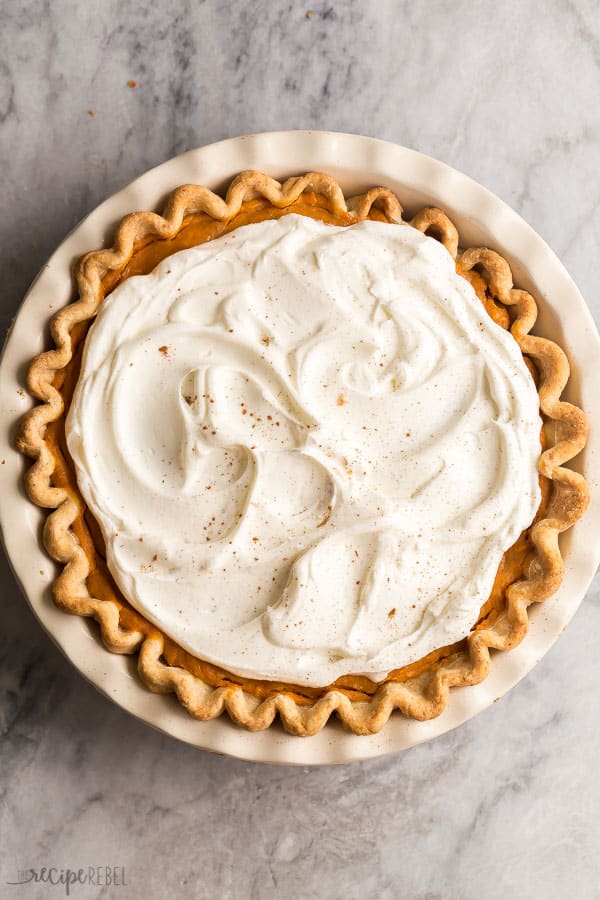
[357,163]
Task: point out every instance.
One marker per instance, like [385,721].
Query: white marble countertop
[506,806]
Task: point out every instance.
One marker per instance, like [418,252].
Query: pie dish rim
[374,142]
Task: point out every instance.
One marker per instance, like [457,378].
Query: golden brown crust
[422,697]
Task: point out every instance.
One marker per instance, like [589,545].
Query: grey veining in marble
[509,804]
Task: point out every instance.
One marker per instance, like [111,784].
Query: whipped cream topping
[307,447]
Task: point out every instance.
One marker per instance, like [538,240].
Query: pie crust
[530,572]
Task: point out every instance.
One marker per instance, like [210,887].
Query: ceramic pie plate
[357,163]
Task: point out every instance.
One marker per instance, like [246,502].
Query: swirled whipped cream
[307,447]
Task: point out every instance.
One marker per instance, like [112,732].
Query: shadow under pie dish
[364,403]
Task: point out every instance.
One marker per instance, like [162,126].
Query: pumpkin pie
[302,455]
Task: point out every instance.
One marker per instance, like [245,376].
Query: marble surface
[506,806]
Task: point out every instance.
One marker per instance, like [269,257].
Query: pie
[300,455]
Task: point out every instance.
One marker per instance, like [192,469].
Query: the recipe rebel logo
[96,876]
